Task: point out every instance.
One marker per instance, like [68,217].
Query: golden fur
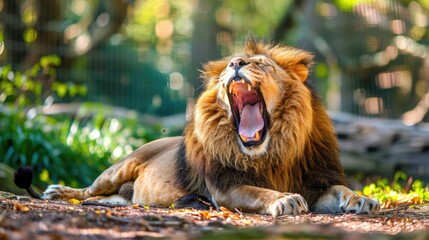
[291,165]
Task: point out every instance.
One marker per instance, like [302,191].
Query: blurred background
[85,82]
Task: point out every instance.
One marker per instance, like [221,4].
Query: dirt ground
[25,218]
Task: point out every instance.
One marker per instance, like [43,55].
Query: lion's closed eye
[264,65]
[268,68]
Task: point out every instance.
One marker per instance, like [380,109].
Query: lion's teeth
[242,81]
[243,138]
[249,87]
[257,136]
[230,87]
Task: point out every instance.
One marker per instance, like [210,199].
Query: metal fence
[372,56]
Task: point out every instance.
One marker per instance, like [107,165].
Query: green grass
[402,190]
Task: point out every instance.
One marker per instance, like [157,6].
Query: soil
[25,218]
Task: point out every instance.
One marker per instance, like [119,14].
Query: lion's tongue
[251,121]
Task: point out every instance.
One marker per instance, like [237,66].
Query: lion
[259,140]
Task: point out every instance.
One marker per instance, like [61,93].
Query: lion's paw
[292,204]
[351,203]
[59,192]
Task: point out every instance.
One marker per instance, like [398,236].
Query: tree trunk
[204,46]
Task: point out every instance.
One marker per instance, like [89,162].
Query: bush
[66,149]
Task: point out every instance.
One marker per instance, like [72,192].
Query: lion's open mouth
[248,108]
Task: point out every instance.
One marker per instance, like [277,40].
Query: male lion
[259,140]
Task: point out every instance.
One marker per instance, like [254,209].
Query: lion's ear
[302,70]
[293,59]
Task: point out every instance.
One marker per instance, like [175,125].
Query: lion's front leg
[340,199]
[261,200]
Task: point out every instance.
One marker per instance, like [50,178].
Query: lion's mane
[302,155]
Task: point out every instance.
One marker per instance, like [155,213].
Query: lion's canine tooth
[257,136]
[243,138]
[242,81]
[249,87]
[230,87]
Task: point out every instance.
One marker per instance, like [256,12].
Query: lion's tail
[23,178]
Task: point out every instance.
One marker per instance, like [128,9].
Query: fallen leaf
[74,201]
[205,214]
[20,207]
[136,206]
[224,209]
[247,222]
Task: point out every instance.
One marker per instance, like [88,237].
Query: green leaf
[44,176]
[61,89]
[23,159]
[72,90]
[51,60]
[32,72]
[8,157]
[99,120]
[34,158]
[38,90]
[18,80]
[5,71]
[45,161]
[82,90]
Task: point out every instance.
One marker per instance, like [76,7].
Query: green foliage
[70,150]
[402,190]
[67,149]
[35,85]
[27,142]
[348,5]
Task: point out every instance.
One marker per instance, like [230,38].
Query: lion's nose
[237,63]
